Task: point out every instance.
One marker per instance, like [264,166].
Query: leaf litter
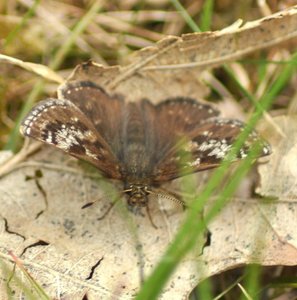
[71,251]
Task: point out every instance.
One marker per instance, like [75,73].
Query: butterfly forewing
[204,148]
[105,112]
[62,124]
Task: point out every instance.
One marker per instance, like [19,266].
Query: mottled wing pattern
[204,147]
[62,124]
[177,117]
[184,114]
[104,111]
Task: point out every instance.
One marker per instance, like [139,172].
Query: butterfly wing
[104,111]
[184,114]
[175,117]
[202,147]
[62,124]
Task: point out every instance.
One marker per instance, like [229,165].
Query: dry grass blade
[38,69]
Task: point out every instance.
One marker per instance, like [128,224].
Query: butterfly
[141,144]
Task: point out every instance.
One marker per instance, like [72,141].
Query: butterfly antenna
[108,209]
[170,196]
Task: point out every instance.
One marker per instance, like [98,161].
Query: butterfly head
[137,195]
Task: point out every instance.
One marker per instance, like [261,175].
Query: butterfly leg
[108,209]
[150,217]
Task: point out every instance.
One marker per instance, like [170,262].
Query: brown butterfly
[141,144]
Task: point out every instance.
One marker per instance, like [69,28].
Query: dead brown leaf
[70,250]
[173,66]
[279,175]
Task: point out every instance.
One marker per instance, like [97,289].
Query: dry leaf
[173,67]
[70,250]
[279,175]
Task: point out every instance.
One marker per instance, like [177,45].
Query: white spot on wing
[195,163]
[217,148]
[266,150]
[242,153]
[89,105]
[67,137]
[220,150]
[90,154]
[49,138]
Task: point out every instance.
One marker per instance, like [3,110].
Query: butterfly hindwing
[62,124]
[175,117]
[182,115]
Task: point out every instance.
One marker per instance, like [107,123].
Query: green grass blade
[31,290]
[186,236]
[188,19]
[12,35]
[252,281]
[204,290]
[206,15]
[14,138]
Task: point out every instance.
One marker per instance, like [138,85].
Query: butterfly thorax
[136,162]
[137,146]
